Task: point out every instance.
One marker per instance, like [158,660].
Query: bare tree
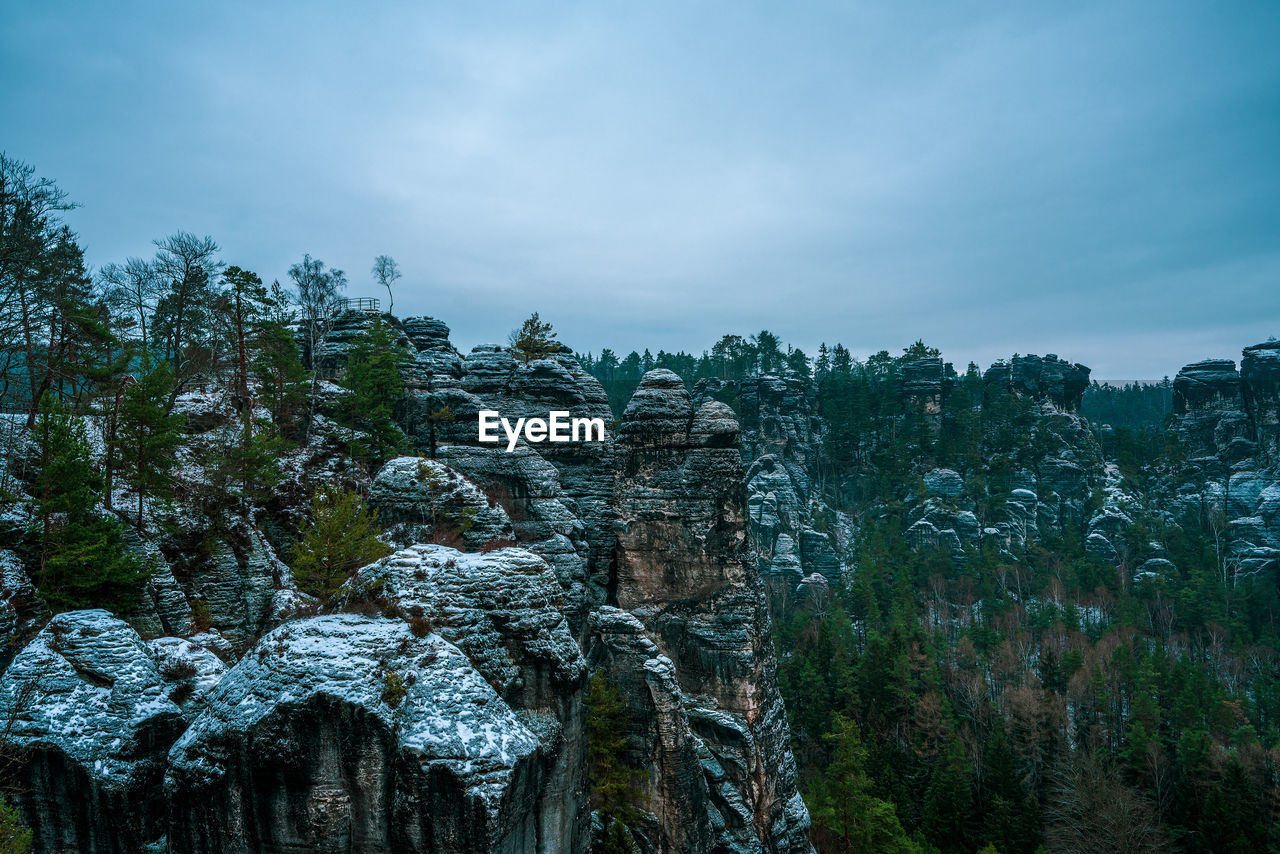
[317,289]
[132,290]
[1090,810]
[187,265]
[385,273]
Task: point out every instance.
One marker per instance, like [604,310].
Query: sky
[1099,180]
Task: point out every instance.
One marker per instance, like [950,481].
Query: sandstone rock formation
[1046,378]
[92,719]
[781,445]
[686,572]
[424,499]
[443,709]
[351,733]
[1227,423]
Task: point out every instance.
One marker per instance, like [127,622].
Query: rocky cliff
[437,704]
[1226,424]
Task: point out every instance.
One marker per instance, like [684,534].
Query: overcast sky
[1100,180]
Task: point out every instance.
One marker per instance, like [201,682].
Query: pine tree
[249,468]
[948,803]
[277,368]
[1011,819]
[147,434]
[340,537]
[612,780]
[15,837]
[617,839]
[372,377]
[243,303]
[242,473]
[83,561]
[843,806]
[534,339]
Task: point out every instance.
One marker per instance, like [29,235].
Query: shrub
[419,623]
[177,669]
[15,837]
[201,616]
[181,692]
[393,689]
[495,544]
[340,538]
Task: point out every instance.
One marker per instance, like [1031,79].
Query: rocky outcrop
[544,519]
[343,329]
[350,733]
[425,501]
[1046,378]
[675,786]
[238,585]
[443,709]
[926,380]
[163,609]
[686,572]
[92,719]
[444,393]
[1226,422]
[501,608]
[1209,418]
[1260,393]
[21,608]
[780,445]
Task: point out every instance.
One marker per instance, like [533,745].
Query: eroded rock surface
[687,573]
[351,733]
[92,721]
[443,708]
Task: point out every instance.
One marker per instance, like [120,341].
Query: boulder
[344,732]
[93,718]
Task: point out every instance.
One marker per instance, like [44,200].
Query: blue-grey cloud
[1100,180]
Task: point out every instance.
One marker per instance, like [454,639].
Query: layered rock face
[351,733]
[1048,378]
[1260,390]
[437,704]
[92,720]
[687,575]
[1049,493]
[451,721]
[502,610]
[425,501]
[781,445]
[1227,423]
[1210,420]
[491,377]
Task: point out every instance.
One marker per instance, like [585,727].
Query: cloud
[1099,179]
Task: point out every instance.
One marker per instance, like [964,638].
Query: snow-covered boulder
[346,732]
[422,498]
[502,608]
[92,720]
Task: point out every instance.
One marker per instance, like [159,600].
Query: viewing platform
[368,305]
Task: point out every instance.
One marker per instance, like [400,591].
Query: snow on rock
[164,608]
[190,667]
[503,610]
[21,608]
[93,719]
[239,585]
[500,607]
[345,732]
[421,497]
